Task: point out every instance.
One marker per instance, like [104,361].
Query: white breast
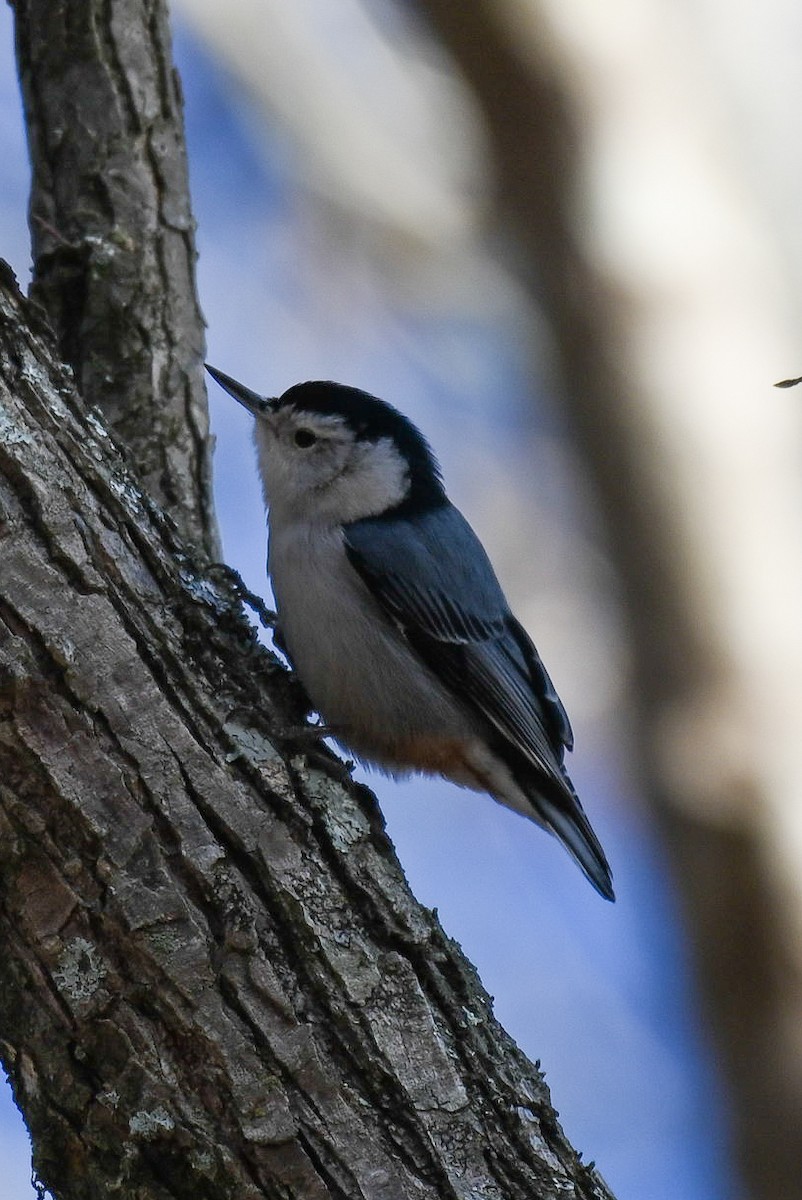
[356,667]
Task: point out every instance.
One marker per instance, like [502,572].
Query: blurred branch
[113,234]
[705,547]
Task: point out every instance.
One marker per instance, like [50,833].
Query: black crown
[372,419]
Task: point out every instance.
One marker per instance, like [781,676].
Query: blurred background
[563,237]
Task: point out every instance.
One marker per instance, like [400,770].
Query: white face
[314,469]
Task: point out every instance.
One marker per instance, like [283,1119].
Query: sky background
[601,994]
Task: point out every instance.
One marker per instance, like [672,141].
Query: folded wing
[431,575]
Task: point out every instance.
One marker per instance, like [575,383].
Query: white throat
[344,482]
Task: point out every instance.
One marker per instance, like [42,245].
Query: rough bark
[113,234]
[215,981]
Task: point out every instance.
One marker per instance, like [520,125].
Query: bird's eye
[305,438]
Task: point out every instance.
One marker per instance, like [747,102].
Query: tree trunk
[113,234]
[214,980]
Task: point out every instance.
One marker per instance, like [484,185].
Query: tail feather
[575,832]
[560,810]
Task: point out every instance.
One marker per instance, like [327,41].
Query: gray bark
[215,981]
[113,234]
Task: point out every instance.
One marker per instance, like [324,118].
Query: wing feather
[432,576]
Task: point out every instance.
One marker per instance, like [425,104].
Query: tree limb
[702,711]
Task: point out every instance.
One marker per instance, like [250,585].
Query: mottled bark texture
[214,981]
[113,234]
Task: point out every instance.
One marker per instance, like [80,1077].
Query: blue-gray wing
[432,576]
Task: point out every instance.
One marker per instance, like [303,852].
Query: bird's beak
[255,404]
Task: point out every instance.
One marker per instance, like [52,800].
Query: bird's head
[333,454]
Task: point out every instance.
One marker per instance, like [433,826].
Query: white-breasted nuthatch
[392,616]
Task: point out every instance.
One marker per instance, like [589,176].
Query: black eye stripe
[304,438]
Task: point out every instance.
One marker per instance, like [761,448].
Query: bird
[390,612]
